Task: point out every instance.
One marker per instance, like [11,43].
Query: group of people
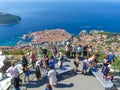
[107,66]
[46,65]
[73,50]
[90,61]
[90,58]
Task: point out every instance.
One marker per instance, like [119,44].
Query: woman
[27,73]
[38,72]
[47,61]
[76,63]
[52,77]
[33,59]
[54,51]
[111,74]
[24,62]
[85,66]
[61,58]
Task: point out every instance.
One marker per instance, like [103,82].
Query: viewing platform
[67,81]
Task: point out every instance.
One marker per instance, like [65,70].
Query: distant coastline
[7,19]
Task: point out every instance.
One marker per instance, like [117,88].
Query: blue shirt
[111,56]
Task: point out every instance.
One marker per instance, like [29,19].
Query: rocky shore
[100,40]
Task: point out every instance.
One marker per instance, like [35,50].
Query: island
[6,19]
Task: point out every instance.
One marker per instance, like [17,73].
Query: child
[27,73]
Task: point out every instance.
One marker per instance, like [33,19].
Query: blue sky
[60,0]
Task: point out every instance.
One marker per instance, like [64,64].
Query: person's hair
[51,67]
[86,57]
[79,45]
[52,57]
[46,56]
[13,64]
[48,86]
[23,57]
[77,57]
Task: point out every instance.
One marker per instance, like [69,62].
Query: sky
[60,0]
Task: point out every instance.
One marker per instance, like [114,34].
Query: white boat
[25,37]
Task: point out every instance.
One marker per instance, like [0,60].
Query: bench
[107,84]
[63,69]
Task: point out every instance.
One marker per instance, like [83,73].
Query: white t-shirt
[13,71]
[79,49]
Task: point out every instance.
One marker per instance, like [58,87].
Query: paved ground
[70,81]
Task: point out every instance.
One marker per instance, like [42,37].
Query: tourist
[27,73]
[79,50]
[33,59]
[76,63]
[106,61]
[54,51]
[15,75]
[61,59]
[48,87]
[97,55]
[106,71]
[44,51]
[52,62]
[73,51]
[46,61]
[67,48]
[90,51]
[94,61]
[91,63]
[52,77]
[38,71]
[111,57]
[85,66]
[85,50]
[45,67]
[24,62]
[111,74]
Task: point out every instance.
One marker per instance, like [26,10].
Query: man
[15,75]
[73,51]
[67,48]
[79,50]
[85,49]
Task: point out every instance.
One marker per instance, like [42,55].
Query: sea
[73,16]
